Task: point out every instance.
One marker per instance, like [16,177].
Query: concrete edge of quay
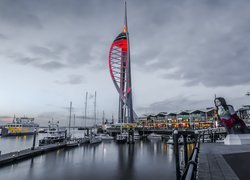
[213,165]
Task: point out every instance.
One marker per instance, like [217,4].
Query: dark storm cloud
[72,79]
[176,104]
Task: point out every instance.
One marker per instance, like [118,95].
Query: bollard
[34,140]
[203,137]
[176,150]
[196,133]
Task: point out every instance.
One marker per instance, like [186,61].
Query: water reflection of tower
[125,162]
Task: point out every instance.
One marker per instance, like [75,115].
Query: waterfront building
[188,119]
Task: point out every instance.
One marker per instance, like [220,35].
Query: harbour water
[108,160]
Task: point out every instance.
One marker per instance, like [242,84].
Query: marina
[173,96]
[105,158]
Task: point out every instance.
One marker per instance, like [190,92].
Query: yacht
[95,140]
[55,134]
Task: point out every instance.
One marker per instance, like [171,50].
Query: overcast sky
[182,53]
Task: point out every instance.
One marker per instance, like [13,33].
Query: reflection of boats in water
[20,126]
[180,140]
[55,134]
[154,136]
[122,138]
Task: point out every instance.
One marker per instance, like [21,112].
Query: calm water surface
[108,160]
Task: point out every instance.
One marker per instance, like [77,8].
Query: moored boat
[20,126]
[95,140]
[55,134]
[105,137]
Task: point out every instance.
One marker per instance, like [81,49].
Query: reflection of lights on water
[104,151]
[155,148]
[141,147]
[171,153]
[24,137]
[165,147]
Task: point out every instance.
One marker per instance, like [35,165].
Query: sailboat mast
[86,103]
[95,109]
[70,116]
[74,124]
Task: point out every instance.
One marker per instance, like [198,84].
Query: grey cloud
[176,104]
[3,37]
[44,52]
[200,42]
[50,66]
[205,44]
[18,13]
[72,79]
[26,60]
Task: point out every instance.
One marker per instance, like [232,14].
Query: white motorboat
[154,136]
[105,137]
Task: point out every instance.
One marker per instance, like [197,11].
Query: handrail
[191,169]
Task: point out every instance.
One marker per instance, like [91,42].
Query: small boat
[154,136]
[95,140]
[105,137]
[41,130]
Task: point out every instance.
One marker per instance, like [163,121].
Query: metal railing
[191,169]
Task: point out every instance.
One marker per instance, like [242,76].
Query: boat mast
[86,103]
[70,116]
[74,125]
[95,109]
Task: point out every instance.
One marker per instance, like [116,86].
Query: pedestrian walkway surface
[218,161]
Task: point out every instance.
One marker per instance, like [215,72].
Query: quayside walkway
[28,153]
[218,161]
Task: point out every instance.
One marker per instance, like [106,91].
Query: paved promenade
[218,161]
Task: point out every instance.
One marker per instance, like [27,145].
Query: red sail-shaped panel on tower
[118,56]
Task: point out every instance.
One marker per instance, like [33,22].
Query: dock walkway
[218,161]
[28,153]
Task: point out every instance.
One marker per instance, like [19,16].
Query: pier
[28,153]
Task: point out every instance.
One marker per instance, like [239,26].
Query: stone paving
[213,166]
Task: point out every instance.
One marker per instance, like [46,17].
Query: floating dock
[28,153]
